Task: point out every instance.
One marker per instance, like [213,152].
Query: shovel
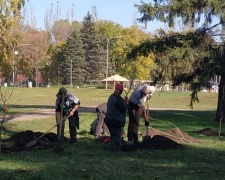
[147,137]
[60,148]
[33,142]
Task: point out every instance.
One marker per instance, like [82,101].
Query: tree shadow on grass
[89,159]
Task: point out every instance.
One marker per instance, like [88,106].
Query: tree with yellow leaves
[10,12]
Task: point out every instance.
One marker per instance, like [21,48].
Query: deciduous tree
[10,12]
[36,50]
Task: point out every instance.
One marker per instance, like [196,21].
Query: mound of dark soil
[178,135]
[174,134]
[208,132]
[156,142]
[19,141]
[157,139]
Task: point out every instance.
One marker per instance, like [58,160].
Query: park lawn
[89,159]
[34,98]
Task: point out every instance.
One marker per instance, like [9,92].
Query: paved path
[41,114]
[45,113]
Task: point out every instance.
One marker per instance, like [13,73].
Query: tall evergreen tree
[73,54]
[193,11]
[94,53]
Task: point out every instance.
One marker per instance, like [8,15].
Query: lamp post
[16,53]
[107,58]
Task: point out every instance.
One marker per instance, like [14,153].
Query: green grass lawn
[89,159]
[31,98]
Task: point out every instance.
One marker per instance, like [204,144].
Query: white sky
[122,12]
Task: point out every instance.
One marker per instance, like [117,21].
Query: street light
[16,53]
[107,57]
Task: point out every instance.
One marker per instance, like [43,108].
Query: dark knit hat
[62,91]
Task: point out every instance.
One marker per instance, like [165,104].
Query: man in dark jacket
[116,117]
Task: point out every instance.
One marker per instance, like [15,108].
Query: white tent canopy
[112,80]
[116,78]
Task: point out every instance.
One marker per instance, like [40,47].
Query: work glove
[146,123]
[126,100]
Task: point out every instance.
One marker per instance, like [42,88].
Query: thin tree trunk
[57,72]
[1,126]
[220,114]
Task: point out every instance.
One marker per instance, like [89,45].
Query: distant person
[98,127]
[136,108]
[70,106]
[116,117]
[3,107]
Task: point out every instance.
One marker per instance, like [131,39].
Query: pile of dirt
[156,139]
[156,142]
[18,141]
[208,132]
[174,134]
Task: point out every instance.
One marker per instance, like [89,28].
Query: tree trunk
[57,72]
[220,113]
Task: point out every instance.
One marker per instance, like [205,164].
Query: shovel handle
[147,115]
[61,117]
[46,132]
[147,111]
[31,143]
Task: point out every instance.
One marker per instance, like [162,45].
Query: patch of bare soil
[156,139]
[156,142]
[19,141]
[174,134]
[208,132]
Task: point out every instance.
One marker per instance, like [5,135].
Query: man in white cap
[136,108]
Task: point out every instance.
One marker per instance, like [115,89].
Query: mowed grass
[45,98]
[89,159]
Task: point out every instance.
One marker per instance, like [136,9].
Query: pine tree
[94,53]
[194,11]
[73,52]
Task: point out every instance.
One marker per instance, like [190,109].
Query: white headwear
[148,89]
[152,90]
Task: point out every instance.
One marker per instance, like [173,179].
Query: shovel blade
[31,143]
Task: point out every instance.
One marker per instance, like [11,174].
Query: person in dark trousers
[135,110]
[70,106]
[101,127]
[116,117]
[98,126]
